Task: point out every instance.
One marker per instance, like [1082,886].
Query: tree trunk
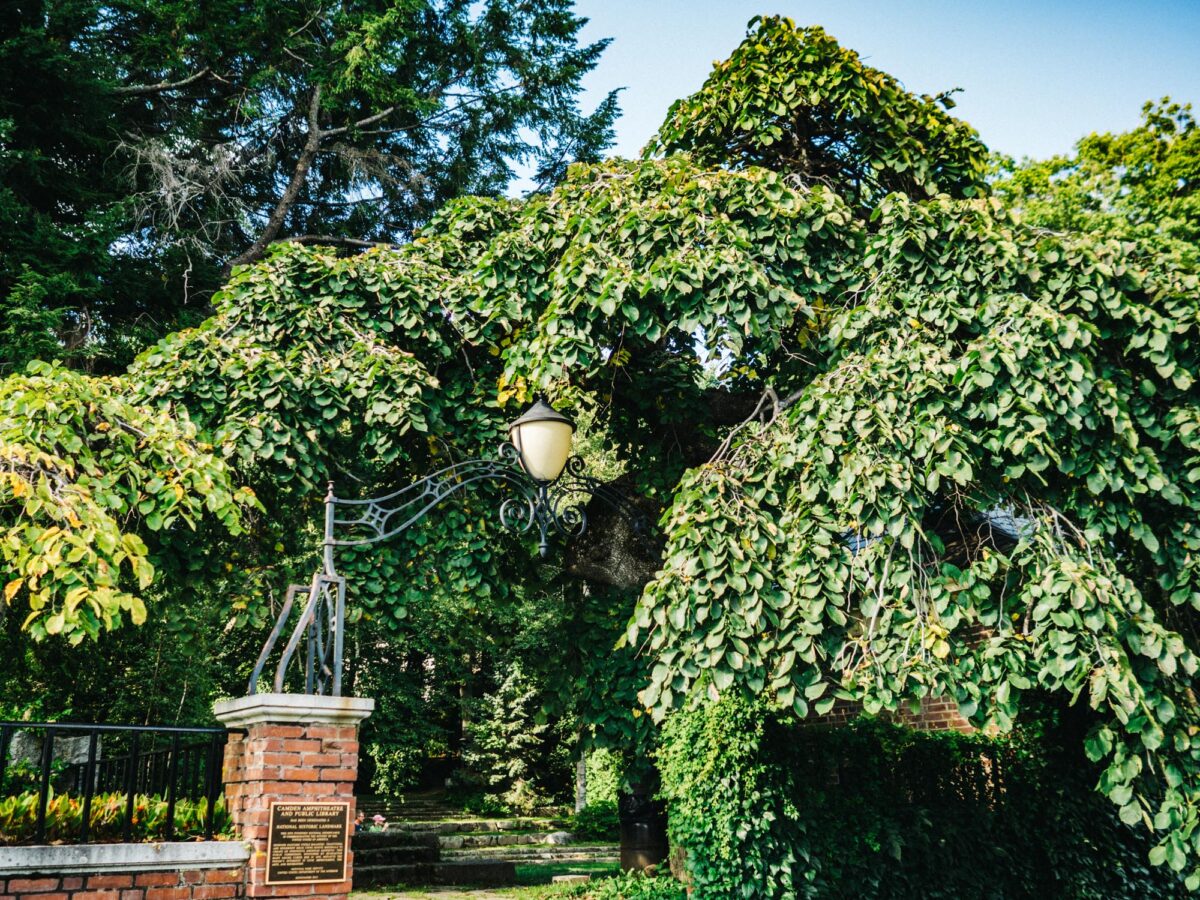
[581,782]
[275,221]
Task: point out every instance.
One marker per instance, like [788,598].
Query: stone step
[545,858]
[436,817]
[393,837]
[401,854]
[461,841]
[548,859]
[489,873]
[537,854]
[426,809]
[601,849]
[458,826]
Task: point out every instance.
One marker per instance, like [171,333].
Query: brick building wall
[196,884]
[936,714]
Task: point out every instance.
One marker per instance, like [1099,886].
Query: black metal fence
[55,777]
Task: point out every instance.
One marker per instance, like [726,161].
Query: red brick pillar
[297,748]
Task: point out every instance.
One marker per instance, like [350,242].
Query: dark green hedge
[765,809]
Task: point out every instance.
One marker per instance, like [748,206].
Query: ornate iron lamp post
[549,492]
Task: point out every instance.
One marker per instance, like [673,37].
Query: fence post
[89,788]
[39,833]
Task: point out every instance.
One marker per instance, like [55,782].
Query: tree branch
[768,409]
[275,221]
[361,123]
[334,240]
[139,89]
[339,204]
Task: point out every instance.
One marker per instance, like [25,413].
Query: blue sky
[1035,76]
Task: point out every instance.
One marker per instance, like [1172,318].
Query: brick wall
[295,749]
[936,714]
[293,764]
[199,884]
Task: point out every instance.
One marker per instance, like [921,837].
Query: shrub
[508,752]
[603,776]
[631,886]
[478,803]
[397,767]
[26,775]
[597,821]
[64,818]
[762,808]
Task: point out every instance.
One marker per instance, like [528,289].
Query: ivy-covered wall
[763,808]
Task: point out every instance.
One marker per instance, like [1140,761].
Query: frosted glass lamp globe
[542,437]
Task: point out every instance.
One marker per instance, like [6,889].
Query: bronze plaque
[308,842]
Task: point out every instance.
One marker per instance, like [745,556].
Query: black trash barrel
[643,830]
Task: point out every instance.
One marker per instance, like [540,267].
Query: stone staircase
[465,839]
[397,857]
[430,806]
[538,855]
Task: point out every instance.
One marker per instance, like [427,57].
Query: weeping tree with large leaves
[906,444]
[982,482]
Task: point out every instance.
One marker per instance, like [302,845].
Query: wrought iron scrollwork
[554,508]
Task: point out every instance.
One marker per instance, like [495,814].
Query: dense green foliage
[317,367]
[842,546]
[603,776]
[792,99]
[83,470]
[598,821]
[517,762]
[836,550]
[1143,185]
[630,886]
[764,809]
[147,144]
[908,443]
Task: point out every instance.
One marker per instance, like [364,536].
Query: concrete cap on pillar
[291,709]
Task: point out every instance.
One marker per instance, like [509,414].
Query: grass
[538,892]
[541,873]
[533,883]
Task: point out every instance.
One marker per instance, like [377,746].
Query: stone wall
[26,746]
[184,871]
